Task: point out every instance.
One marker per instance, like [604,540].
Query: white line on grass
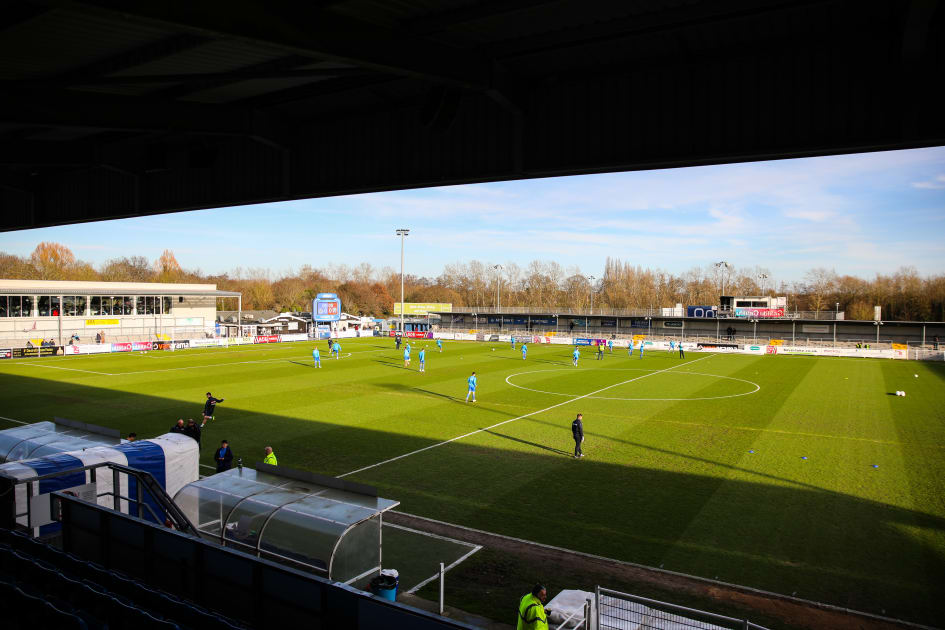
[12,420]
[56,367]
[498,424]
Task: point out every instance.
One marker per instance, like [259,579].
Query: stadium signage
[48,351]
[266,339]
[181,345]
[326,307]
[122,347]
[759,312]
[413,334]
[6,353]
[608,323]
[588,341]
[140,345]
[815,328]
[701,311]
[102,323]
[422,308]
[672,323]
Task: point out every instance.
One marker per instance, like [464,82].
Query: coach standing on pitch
[682,353]
[577,432]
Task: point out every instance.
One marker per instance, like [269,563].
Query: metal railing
[606,311]
[622,611]
[145,483]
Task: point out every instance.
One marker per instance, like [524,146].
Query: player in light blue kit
[471,381]
[610,346]
[575,356]
[672,346]
[336,350]
[439,344]
[524,350]
[630,348]
[407,355]
[422,355]
[641,348]
[316,357]
[513,343]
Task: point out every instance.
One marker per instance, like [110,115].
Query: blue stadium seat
[52,617]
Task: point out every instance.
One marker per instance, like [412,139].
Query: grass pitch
[792,474]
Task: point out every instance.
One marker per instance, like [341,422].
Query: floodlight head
[403,231]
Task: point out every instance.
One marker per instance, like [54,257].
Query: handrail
[145,480]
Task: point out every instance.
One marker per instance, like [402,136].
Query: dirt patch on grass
[491,582]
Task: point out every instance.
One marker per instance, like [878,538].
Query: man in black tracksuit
[208,408]
[577,432]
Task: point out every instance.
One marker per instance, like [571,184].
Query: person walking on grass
[209,409]
[682,353]
[641,348]
[600,350]
[406,356]
[336,350]
[524,350]
[575,356]
[531,610]
[471,383]
[439,344]
[316,357]
[577,432]
[422,355]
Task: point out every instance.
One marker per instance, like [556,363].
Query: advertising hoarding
[759,312]
[422,308]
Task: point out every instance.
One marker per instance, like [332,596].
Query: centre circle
[756,386]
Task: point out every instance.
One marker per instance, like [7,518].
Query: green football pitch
[792,474]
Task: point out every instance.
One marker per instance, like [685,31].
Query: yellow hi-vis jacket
[270,459]
[531,614]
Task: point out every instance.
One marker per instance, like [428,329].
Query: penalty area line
[527,415]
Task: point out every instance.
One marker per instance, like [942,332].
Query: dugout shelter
[46,438]
[319,524]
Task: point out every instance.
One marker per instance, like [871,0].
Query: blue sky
[858,214]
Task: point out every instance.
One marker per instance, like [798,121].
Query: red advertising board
[122,347]
[266,339]
[412,334]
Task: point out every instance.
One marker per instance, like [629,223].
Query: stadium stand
[43,586]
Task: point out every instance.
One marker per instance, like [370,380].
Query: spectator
[192,430]
[98,337]
[531,610]
[224,457]
[179,427]
[134,436]
[270,457]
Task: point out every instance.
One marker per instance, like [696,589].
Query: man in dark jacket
[192,430]
[179,427]
[224,457]
[209,408]
[577,432]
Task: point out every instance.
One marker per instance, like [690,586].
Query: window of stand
[16,306]
[48,305]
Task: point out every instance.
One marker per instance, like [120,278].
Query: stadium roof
[82,287]
[113,109]
[106,291]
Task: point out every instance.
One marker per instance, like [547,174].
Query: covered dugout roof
[47,438]
[321,524]
[116,108]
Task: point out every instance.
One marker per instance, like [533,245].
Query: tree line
[366,290]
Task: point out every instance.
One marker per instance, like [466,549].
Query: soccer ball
[916,375]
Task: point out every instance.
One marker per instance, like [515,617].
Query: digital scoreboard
[326,307]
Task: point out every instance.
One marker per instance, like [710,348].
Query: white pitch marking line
[437,536]
[12,420]
[56,367]
[436,576]
[542,391]
[571,400]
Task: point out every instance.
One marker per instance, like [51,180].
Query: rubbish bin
[385,585]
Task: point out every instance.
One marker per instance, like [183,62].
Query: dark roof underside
[114,109]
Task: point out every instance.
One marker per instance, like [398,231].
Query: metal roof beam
[74,109]
[307,30]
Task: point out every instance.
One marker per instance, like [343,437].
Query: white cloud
[934,183]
